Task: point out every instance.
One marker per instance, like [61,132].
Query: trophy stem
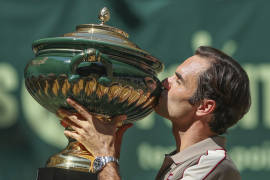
[73,157]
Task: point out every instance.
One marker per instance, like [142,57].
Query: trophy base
[74,157]
[63,174]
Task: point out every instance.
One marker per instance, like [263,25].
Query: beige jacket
[206,160]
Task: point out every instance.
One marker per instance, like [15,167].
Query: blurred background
[168,29]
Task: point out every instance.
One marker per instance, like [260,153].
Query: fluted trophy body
[99,68]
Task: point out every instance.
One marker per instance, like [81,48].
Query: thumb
[118,139]
[118,120]
[121,130]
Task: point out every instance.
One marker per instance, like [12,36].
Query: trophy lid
[104,37]
[103,33]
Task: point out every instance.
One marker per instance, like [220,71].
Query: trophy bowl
[99,68]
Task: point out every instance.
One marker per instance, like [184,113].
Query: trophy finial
[104,15]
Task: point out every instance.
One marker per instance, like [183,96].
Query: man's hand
[99,138]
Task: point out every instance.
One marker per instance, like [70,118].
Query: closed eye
[180,78]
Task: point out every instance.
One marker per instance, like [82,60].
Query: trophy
[99,68]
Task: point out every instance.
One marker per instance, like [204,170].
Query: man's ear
[206,107]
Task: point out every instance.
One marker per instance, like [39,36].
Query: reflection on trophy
[99,68]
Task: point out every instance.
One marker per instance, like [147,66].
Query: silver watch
[100,162]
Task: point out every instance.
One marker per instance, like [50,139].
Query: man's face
[179,88]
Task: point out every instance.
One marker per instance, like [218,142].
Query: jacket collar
[212,143]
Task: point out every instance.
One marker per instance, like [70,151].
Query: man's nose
[166,84]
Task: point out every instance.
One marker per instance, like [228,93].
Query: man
[208,93]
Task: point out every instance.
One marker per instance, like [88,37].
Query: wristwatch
[100,162]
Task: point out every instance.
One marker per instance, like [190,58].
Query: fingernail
[60,113]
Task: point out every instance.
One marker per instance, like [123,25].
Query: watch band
[100,162]
[111,159]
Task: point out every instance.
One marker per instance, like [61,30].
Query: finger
[71,134]
[62,113]
[80,109]
[118,120]
[121,130]
[75,120]
[66,121]
[80,117]
[73,126]
[63,123]
[119,136]
[83,112]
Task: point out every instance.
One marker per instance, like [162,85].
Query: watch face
[98,163]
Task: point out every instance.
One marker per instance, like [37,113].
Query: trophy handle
[92,59]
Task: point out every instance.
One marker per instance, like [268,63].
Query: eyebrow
[179,76]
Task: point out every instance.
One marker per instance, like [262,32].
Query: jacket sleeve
[224,171]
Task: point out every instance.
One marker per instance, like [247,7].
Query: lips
[165,87]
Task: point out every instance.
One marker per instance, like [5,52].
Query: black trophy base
[63,174]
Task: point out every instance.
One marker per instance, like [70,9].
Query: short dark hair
[226,82]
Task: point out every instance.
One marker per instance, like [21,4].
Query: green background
[168,29]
